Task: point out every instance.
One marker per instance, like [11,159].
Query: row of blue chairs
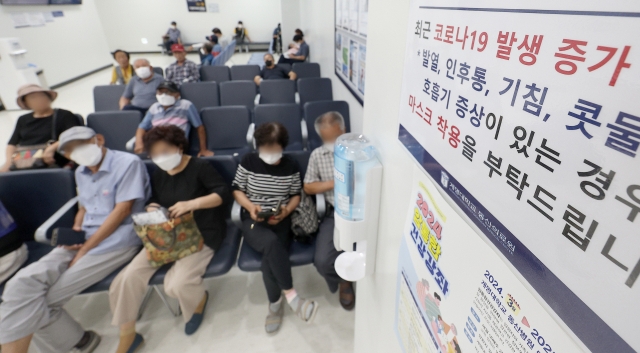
[249,72]
[212,94]
[34,199]
[229,129]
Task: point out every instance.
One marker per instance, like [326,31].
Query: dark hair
[216,30]
[208,47]
[214,39]
[435,295]
[299,31]
[120,51]
[240,23]
[173,23]
[297,37]
[170,134]
[269,133]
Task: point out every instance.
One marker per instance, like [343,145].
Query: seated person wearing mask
[301,55]
[37,127]
[182,70]
[171,110]
[13,250]
[264,180]
[317,180]
[122,73]
[182,184]
[173,36]
[271,71]
[111,186]
[140,92]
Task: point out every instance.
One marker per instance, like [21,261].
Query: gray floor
[235,315]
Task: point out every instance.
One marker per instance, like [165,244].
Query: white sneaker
[94,341]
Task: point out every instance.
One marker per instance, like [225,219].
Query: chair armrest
[256,101]
[321,205]
[131,144]
[41,232]
[297,98]
[250,132]
[305,133]
[236,211]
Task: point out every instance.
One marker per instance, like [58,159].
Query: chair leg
[145,301]
[175,313]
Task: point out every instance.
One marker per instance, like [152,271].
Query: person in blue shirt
[172,110]
[112,185]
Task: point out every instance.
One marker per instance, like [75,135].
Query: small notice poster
[454,294]
[196,6]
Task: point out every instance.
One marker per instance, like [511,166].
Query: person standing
[183,70]
[173,36]
[112,185]
[122,73]
[319,180]
[43,125]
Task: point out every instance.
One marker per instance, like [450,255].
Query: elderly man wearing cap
[172,110]
[140,92]
[111,186]
[44,124]
[182,70]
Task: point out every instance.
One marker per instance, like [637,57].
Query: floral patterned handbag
[170,241]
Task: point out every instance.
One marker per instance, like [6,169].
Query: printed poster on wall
[534,131]
[443,306]
[196,6]
[351,21]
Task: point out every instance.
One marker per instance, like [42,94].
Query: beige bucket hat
[32,88]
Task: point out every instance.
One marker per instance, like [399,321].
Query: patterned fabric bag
[170,241]
[304,219]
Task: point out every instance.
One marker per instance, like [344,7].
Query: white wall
[66,48]
[317,23]
[375,312]
[291,17]
[126,22]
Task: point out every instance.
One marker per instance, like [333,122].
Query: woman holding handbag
[191,190]
[33,143]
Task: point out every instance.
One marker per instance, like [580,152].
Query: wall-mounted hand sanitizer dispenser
[358,177]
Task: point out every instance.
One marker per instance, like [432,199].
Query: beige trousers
[183,282]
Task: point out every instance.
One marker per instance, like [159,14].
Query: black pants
[284,60]
[273,243]
[326,253]
[168,44]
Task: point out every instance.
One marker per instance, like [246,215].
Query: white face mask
[240,25]
[166,99]
[174,27]
[270,158]
[168,162]
[329,146]
[143,72]
[87,155]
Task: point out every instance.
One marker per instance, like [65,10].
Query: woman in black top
[37,127]
[264,180]
[181,184]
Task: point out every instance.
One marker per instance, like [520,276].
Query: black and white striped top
[266,184]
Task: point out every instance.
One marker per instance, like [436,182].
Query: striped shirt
[265,184]
[182,114]
[179,74]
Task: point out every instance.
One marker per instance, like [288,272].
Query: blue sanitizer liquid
[354,156]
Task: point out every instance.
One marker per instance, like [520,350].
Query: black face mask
[268,62]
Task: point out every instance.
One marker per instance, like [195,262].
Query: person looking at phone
[263,181]
[111,186]
[319,180]
[181,184]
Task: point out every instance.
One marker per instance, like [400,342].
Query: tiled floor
[235,315]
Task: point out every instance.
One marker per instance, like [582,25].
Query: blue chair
[118,127]
[227,129]
[238,93]
[244,72]
[277,92]
[158,70]
[32,197]
[299,254]
[307,70]
[201,94]
[215,73]
[314,89]
[285,66]
[313,110]
[107,98]
[289,116]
